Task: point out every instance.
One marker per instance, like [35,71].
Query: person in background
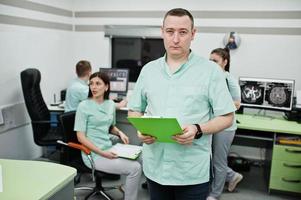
[78,88]
[222,140]
[94,118]
[193,90]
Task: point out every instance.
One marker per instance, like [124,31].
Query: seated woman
[94,118]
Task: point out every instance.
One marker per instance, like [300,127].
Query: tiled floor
[253,187]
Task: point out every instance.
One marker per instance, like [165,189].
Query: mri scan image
[252,92]
[267,93]
[278,94]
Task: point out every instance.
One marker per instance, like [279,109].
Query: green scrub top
[234,90]
[76,92]
[95,120]
[195,93]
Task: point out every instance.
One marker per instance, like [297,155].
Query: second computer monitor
[118,80]
[275,94]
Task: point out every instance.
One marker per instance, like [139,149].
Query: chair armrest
[83,148]
[80,147]
[74,145]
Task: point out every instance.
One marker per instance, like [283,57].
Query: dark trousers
[185,192]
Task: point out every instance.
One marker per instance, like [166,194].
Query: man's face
[177,35]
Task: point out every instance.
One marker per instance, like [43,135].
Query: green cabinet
[285,174]
[286,168]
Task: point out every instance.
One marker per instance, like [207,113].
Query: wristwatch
[199,132]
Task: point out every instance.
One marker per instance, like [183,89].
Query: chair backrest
[35,104]
[71,156]
[67,120]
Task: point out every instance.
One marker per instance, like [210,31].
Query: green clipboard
[161,128]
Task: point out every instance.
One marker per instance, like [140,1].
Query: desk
[272,125]
[23,179]
[55,108]
[284,169]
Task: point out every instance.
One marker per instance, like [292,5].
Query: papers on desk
[55,108]
[1,184]
[127,151]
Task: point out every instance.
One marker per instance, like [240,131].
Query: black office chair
[45,131]
[72,157]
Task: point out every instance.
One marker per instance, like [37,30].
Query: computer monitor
[118,80]
[133,53]
[275,94]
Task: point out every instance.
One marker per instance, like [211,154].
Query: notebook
[161,128]
[127,151]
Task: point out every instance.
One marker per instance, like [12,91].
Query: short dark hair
[82,68]
[179,12]
[225,54]
[105,78]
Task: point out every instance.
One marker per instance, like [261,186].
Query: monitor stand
[262,113]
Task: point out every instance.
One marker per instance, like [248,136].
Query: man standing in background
[193,90]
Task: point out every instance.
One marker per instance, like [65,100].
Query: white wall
[268,56]
[21,47]
[55,52]
[190,4]
[48,50]
[260,55]
[92,46]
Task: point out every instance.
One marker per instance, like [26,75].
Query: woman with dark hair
[222,141]
[94,121]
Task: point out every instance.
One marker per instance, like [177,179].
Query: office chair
[45,131]
[72,157]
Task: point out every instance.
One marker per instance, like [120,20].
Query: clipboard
[161,128]
[127,151]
